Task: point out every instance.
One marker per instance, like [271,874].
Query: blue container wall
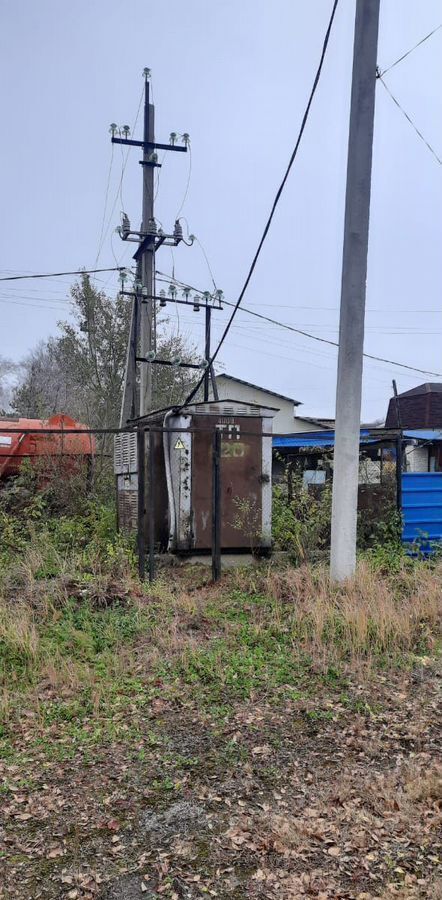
[422,506]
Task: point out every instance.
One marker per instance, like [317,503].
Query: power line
[120,183]
[404,56]
[34,305]
[313,337]
[8,295]
[106,198]
[159,173]
[207,261]
[59,274]
[415,128]
[189,175]
[388,330]
[322,340]
[37,301]
[275,202]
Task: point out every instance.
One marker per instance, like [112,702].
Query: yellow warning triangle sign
[179,445]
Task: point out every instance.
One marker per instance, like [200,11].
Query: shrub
[302,518]
[301,523]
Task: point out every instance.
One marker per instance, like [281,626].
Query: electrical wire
[164,276]
[123,169]
[259,330]
[244,331]
[106,198]
[121,178]
[56,300]
[178,326]
[189,175]
[34,305]
[313,337]
[415,128]
[158,175]
[207,262]
[59,274]
[404,56]
[275,202]
[117,261]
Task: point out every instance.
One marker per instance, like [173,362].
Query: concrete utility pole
[353,289]
[142,339]
[147,337]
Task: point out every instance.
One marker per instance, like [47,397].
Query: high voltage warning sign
[179,445]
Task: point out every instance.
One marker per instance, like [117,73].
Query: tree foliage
[81,370]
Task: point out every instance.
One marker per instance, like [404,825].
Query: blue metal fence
[422,508]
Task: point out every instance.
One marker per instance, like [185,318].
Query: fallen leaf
[56,851]
[263,750]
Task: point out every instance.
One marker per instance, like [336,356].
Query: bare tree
[8,369]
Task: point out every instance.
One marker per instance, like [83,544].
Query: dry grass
[252,631]
[372,614]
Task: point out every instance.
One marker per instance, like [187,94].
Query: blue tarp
[315,439]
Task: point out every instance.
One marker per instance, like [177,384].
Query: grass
[86,641]
[240,697]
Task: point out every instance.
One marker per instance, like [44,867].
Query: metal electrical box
[182,488]
[126,473]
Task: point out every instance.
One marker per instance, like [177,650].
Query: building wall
[285,421]
[417,459]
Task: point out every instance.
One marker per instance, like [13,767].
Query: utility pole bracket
[149,145]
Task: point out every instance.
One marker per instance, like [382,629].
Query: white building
[286,419]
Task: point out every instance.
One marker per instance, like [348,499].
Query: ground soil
[336,797]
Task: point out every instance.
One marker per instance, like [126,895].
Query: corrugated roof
[316,439]
[424,434]
[419,408]
[430,387]
[368,436]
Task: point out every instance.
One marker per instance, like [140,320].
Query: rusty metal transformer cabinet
[182,488]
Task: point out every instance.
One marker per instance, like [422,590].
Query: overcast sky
[236,76]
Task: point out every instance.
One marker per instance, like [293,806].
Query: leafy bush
[302,518]
[60,522]
[301,523]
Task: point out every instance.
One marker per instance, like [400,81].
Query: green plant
[247,520]
[301,519]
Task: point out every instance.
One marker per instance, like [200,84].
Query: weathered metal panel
[125,453]
[266,481]
[127,499]
[183,470]
[126,469]
[180,455]
[422,507]
[241,481]
[160,498]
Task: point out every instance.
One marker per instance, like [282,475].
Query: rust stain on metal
[241,470]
